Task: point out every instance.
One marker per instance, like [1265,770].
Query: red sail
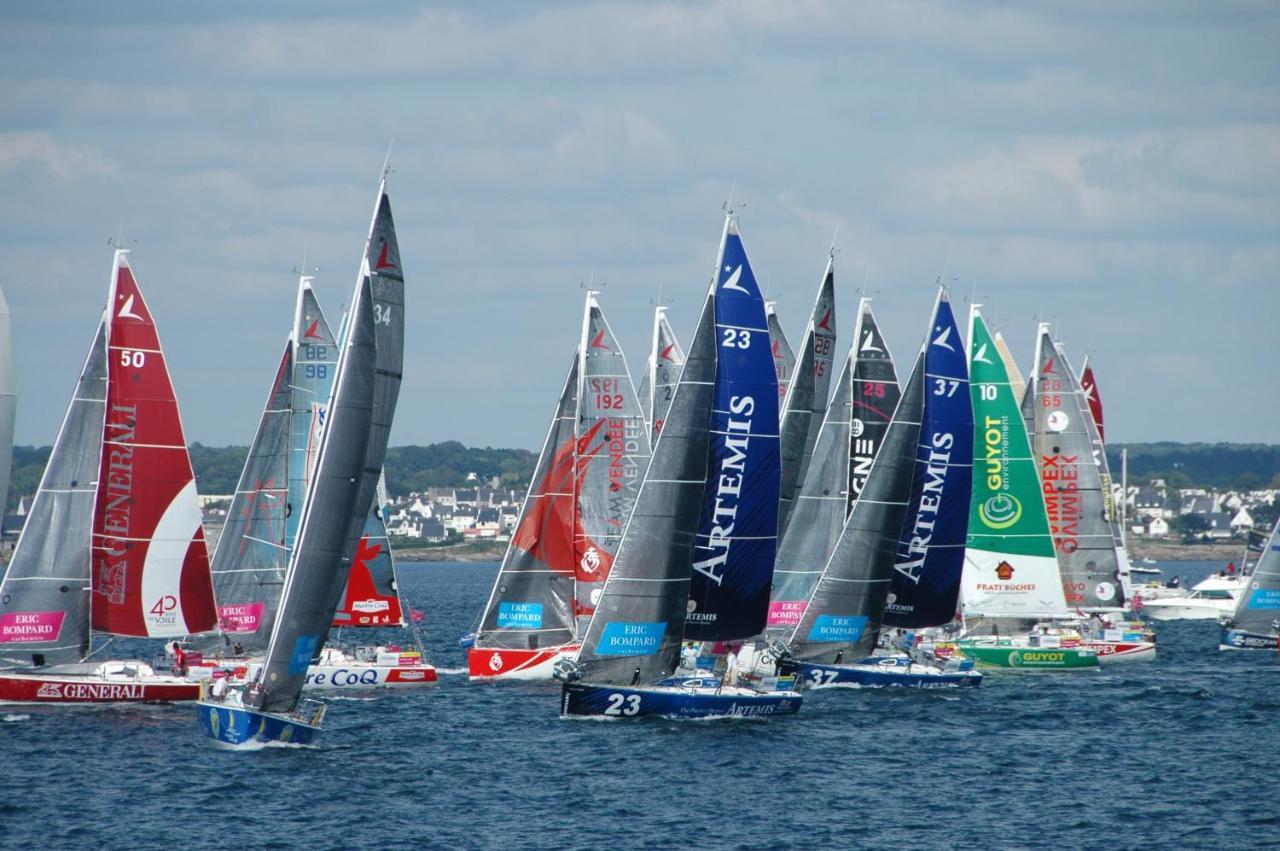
[364,605]
[150,564]
[1090,388]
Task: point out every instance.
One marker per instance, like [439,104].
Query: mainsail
[843,615]
[8,403]
[582,492]
[371,598]
[661,374]
[151,566]
[352,450]
[733,556]
[44,597]
[1258,609]
[1071,475]
[1010,568]
[875,397]
[613,450]
[1089,386]
[640,618]
[784,359]
[926,577]
[806,397]
[315,361]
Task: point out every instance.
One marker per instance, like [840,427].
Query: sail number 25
[623,704]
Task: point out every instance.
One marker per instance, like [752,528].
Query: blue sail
[930,559]
[738,531]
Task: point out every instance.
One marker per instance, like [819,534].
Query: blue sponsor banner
[304,649]
[622,638]
[1265,598]
[736,544]
[837,628]
[520,616]
[925,586]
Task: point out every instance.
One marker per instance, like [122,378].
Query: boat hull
[490,663]
[1240,639]
[1185,609]
[238,725]
[674,702]
[45,688]
[357,676]
[1029,658]
[1110,652]
[815,676]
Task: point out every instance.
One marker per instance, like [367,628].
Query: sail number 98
[128,357]
[623,704]
[736,338]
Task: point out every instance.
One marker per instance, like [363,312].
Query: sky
[1113,167]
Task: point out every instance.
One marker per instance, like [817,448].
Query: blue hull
[1239,639]
[238,725]
[674,702]
[872,675]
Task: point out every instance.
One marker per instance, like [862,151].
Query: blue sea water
[1180,753]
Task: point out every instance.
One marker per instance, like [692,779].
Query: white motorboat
[1209,600]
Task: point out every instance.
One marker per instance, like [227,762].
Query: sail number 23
[735,337]
[623,704]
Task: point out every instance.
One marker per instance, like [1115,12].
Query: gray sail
[249,562]
[658,386]
[842,619]
[875,397]
[639,620]
[612,451]
[8,403]
[784,358]
[806,398]
[45,595]
[819,515]
[1070,477]
[353,448]
[531,604]
[1109,507]
[1258,609]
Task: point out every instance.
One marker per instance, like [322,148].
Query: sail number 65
[623,704]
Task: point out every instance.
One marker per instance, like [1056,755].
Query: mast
[8,402]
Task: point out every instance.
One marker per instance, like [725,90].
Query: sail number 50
[128,357]
[623,704]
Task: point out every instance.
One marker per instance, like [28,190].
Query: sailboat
[806,397]
[1093,399]
[113,542]
[904,514]
[1011,575]
[851,435]
[8,403]
[1255,622]
[350,454]
[570,527]
[662,371]
[253,552]
[696,558]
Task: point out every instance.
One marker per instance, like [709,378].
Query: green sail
[1010,566]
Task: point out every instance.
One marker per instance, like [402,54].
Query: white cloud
[61,160]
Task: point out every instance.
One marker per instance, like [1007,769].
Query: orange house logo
[1004,571]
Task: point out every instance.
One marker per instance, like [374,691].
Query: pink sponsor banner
[785,612]
[241,617]
[18,627]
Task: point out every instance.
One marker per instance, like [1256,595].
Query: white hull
[1186,609]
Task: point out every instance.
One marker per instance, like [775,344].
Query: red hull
[33,688]
[490,663]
